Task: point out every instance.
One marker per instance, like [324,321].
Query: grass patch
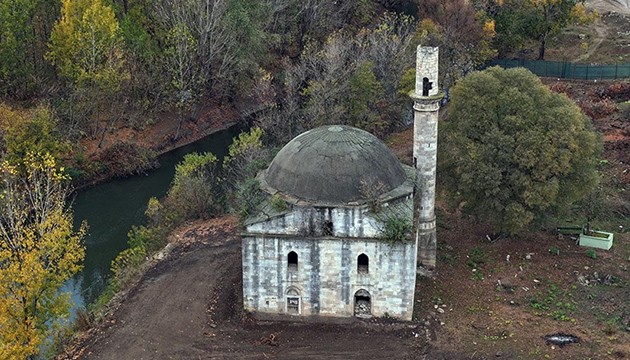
[556,303]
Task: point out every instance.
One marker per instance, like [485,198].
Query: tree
[513,151]
[33,131]
[228,36]
[24,30]
[179,64]
[463,35]
[194,191]
[518,20]
[549,17]
[38,252]
[351,79]
[86,47]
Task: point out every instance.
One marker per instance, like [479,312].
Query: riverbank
[158,138]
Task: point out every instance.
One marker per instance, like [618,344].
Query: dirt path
[620,6]
[602,32]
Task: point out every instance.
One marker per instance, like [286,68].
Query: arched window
[292,261]
[363,264]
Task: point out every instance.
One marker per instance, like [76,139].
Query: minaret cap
[427,71]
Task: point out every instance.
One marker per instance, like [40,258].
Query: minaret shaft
[426,112]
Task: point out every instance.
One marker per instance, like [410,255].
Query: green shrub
[396,229]
[248,197]
[278,203]
[195,189]
[476,258]
[125,159]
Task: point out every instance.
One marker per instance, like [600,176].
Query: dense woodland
[73,71]
[80,69]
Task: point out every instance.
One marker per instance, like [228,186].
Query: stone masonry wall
[310,221]
[327,276]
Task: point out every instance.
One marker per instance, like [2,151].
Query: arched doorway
[362,304]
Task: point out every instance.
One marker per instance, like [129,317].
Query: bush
[599,108]
[125,159]
[248,197]
[618,91]
[195,189]
[278,203]
[396,230]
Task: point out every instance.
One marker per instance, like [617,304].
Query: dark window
[363,264]
[292,260]
[426,86]
[328,228]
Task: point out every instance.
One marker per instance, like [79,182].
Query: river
[111,208]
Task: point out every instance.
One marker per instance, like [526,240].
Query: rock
[561,339]
[582,280]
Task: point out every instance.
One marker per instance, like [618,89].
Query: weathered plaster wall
[327,277]
[311,221]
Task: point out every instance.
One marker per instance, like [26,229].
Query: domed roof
[327,164]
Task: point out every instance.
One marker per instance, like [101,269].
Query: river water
[111,208]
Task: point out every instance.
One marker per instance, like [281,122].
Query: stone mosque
[324,252]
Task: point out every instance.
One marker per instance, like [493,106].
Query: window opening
[363,264]
[328,228]
[362,304]
[293,305]
[293,302]
[426,86]
[292,261]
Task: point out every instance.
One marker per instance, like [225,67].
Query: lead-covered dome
[328,163]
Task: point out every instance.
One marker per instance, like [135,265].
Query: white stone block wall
[327,277]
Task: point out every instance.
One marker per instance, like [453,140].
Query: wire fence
[567,70]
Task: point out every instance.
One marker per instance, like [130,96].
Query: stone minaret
[426,106]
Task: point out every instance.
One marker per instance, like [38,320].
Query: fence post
[587,66]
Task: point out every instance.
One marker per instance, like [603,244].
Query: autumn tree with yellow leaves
[39,250]
[86,47]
